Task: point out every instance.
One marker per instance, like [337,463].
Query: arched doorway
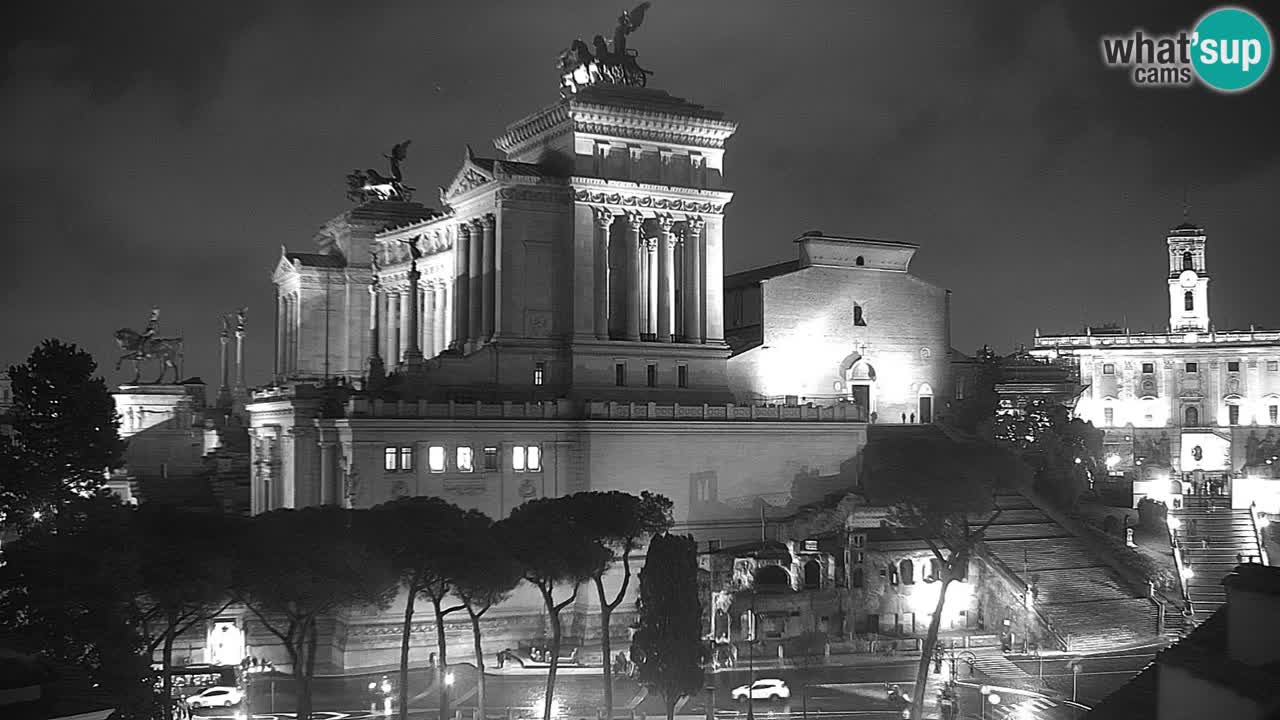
[925,395]
[859,381]
[772,578]
[1191,416]
[812,575]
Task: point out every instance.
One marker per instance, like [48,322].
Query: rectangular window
[406,458]
[1273,414]
[533,458]
[960,388]
[1148,368]
[811,546]
[1193,367]
[1108,416]
[389,456]
[651,375]
[713,545]
[1233,366]
[517,458]
[859,558]
[620,374]
[435,458]
[1233,414]
[491,458]
[859,541]
[1273,366]
[538,370]
[465,459]
[1108,369]
[682,376]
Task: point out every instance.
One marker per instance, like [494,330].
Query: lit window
[1109,369]
[1273,414]
[1233,366]
[620,374]
[389,459]
[682,376]
[1108,416]
[538,370]
[1193,367]
[1188,301]
[435,458]
[517,458]
[533,458]
[491,458]
[651,375]
[1148,368]
[406,458]
[1233,414]
[1273,366]
[858,319]
[465,459]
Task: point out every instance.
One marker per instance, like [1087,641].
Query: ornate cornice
[532,127]
[645,201]
[553,195]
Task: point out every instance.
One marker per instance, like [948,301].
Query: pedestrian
[904,418]
[913,418]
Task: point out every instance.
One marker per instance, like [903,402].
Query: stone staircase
[1213,539]
[1076,589]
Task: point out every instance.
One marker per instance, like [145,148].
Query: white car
[216,697]
[767,689]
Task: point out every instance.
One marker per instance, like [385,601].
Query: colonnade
[654,290]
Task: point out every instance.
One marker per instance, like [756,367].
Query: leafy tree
[487,577]
[185,572]
[552,550]
[668,646]
[1064,453]
[620,522]
[943,491]
[65,427]
[69,591]
[298,566]
[422,537]
[975,413]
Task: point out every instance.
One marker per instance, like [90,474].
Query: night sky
[160,153]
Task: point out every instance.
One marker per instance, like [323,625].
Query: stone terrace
[1075,588]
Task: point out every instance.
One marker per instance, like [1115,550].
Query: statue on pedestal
[140,346]
[580,68]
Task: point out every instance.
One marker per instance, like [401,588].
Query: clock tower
[1188,280]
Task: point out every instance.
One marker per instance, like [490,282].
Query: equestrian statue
[140,346]
[369,184]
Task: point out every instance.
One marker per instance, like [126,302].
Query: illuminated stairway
[1214,539]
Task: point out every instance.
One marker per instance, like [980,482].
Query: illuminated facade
[846,322]
[1192,406]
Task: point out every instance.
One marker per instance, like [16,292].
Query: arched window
[1188,261]
[858,578]
[1191,417]
[812,575]
[859,261]
[935,570]
[857,316]
[1188,300]
[772,578]
[1175,487]
[908,571]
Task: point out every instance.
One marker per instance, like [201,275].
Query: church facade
[1192,409]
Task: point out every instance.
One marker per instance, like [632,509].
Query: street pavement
[832,692]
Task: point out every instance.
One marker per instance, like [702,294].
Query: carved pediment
[469,177]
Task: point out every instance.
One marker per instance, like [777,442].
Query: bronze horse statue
[137,348]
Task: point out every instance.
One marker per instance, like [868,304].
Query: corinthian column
[412,352]
[393,326]
[666,278]
[651,287]
[632,247]
[489,279]
[462,287]
[693,280]
[604,220]
[438,319]
[475,306]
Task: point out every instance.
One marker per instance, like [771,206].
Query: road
[825,692]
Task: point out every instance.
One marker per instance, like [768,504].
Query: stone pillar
[429,319]
[412,334]
[326,493]
[713,280]
[489,279]
[375,352]
[604,220]
[240,386]
[666,278]
[632,249]
[439,318]
[475,306]
[291,334]
[224,370]
[693,280]
[393,327]
[461,286]
[277,368]
[651,287]
[447,339]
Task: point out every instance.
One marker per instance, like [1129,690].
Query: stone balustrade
[360,407]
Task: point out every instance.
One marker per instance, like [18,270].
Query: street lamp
[751,660]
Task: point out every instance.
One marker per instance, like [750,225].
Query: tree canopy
[668,646]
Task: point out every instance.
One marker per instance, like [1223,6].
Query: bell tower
[1188,280]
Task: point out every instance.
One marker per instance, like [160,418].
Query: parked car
[764,689]
[220,696]
[538,655]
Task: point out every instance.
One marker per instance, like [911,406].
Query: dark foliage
[668,647]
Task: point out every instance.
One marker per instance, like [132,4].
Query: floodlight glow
[994,699]
[1112,461]
[1187,572]
[448,678]
[1174,523]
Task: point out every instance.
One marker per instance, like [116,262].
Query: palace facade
[1194,408]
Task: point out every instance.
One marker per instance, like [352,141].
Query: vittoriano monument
[366,185]
[580,67]
[140,346]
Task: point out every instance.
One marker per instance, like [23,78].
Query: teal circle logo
[1231,49]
